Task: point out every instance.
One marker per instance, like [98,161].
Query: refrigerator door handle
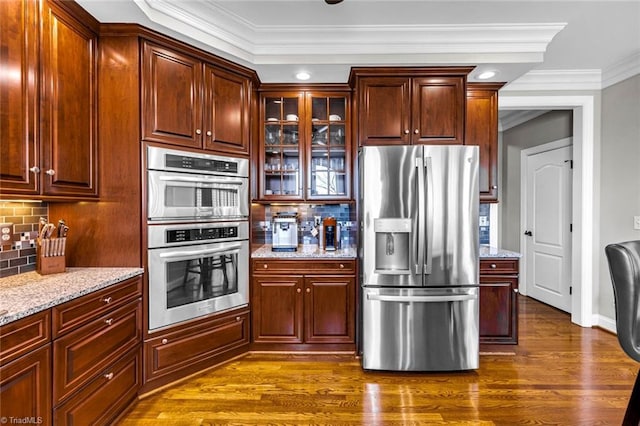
[421,215]
[422,299]
[428,169]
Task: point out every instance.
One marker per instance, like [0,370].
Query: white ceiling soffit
[440,44]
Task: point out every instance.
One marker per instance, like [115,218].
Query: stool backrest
[624,265]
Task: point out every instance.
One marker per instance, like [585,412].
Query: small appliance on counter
[285,232]
[331,234]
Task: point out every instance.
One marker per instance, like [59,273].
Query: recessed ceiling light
[485,75]
[303,75]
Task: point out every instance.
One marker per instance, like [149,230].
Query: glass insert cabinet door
[281,156]
[328,149]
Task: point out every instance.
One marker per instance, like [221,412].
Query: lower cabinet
[303,305]
[499,301]
[78,363]
[181,351]
[25,387]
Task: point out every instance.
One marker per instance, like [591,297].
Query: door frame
[550,146]
[586,189]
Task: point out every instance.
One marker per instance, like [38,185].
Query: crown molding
[621,70]
[216,26]
[516,117]
[537,80]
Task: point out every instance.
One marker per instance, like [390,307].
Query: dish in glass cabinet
[334,117]
[272,119]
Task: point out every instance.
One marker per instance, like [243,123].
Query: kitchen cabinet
[180,351]
[303,304]
[192,103]
[25,368]
[97,354]
[499,300]
[481,129]
[401,106]
[305,148]
[50,119]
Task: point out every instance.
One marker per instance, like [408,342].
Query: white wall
[620,176]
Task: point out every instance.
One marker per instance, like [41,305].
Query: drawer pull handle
[308,290]
[109,321]
[108,376]
[165,341]
[494,266]
[298,290]
[238,319]
[265,266]
[107,299]
[515,290]
[341,266]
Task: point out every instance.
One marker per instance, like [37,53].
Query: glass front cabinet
[305,146]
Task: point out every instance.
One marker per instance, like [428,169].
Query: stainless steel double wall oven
[198,234]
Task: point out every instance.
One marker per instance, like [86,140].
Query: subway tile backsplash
[18,245]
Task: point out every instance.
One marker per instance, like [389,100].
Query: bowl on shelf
[335,117]
[292,117]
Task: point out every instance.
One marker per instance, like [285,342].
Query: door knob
[528,233]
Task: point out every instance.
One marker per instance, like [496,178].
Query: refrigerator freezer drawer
[420,329]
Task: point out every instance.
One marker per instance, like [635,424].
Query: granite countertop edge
[303,252]
[29,293]
[496,252]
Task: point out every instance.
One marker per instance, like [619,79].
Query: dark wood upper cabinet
[400,106]
[191,103]
[49,121]
[482,130]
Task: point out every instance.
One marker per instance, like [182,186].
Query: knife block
[46,262]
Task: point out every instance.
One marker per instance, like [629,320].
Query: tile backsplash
[18,245]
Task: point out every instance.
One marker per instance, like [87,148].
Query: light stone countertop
[489,252]
[310,251]
[25,294]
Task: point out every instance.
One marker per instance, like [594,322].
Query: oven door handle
[183,253]
[202,180]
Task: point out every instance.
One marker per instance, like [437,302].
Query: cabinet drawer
[22,336]
[498,266]
[304,266]
[195,346]
[106,395]
[77,312]
[84,352]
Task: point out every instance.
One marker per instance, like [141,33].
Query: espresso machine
[330,234]
[285,232]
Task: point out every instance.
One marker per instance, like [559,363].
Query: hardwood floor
[559,374]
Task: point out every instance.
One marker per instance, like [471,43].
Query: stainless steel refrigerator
[419,257]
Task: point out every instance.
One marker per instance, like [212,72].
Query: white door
[548,227]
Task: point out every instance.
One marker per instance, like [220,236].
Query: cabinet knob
[35,169]
[108,321]
[209,133]
[493,266]
[265,266]
[198,132]
[406,131]
[108,376]
[308,290]
[494,187]
[341,266]
[107,299]
[515,290]
[164,341]
[50,172]
[298,290]
[238,319]
[416,131]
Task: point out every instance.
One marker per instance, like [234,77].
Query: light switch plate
[636,222]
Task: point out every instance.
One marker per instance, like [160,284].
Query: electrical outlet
[636,222]
[317,220]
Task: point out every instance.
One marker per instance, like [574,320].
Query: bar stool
[624,265]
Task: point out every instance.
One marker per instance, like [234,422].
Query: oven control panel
[201,234]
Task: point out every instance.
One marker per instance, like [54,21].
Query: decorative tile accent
[18,253]
[485,225]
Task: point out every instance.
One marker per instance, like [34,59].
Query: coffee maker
[285,232]
[330,234]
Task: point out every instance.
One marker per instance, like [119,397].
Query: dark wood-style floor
[559,374]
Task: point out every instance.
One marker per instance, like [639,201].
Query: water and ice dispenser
[393,239]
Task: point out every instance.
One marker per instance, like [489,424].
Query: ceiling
[563,41]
